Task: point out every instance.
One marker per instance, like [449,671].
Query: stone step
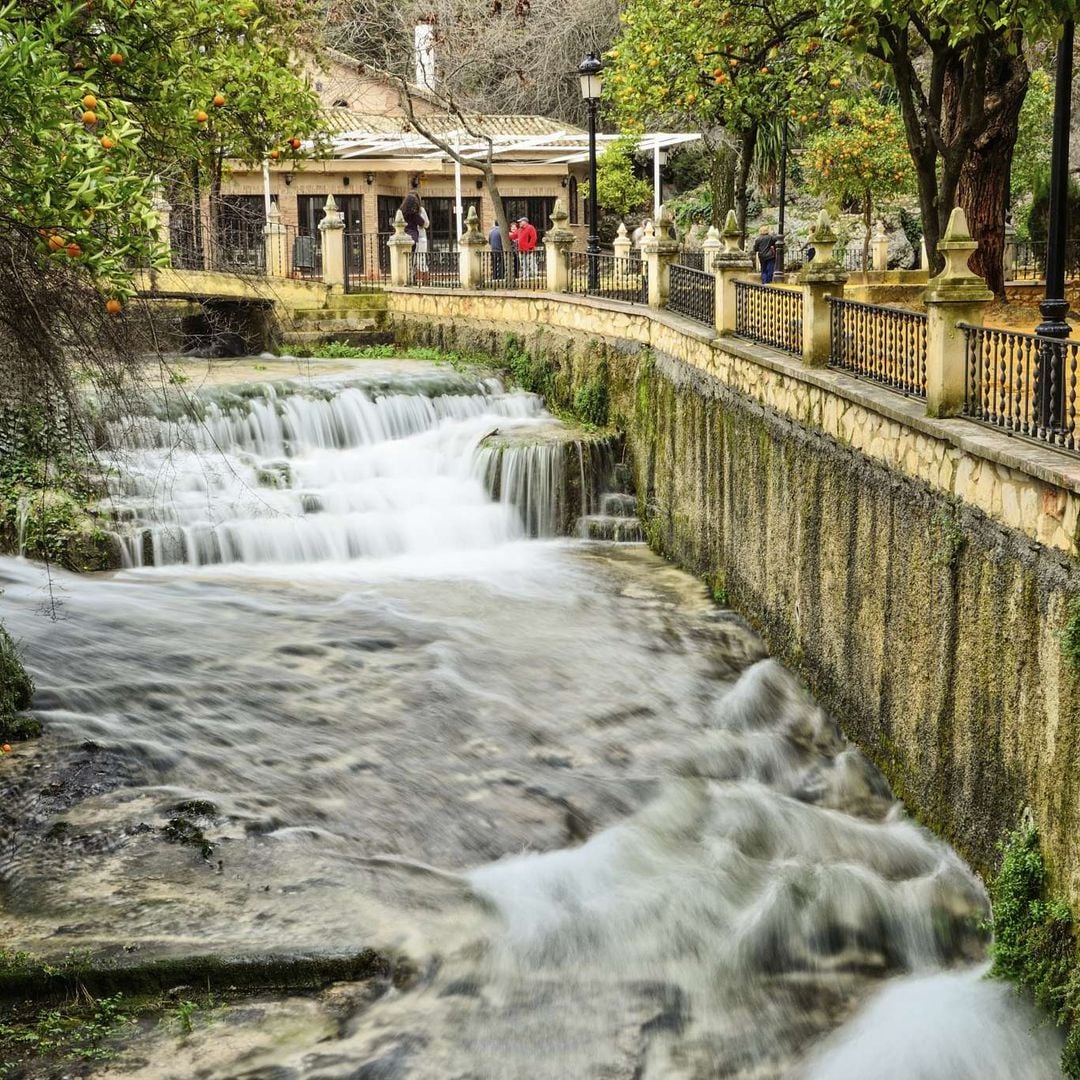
[365,304]
[333,324]
[621,530]
[618,504]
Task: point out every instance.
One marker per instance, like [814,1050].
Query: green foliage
[1034,944]
[109,100]
[1070,635]
[861,156]
[16,692]
[534,374]
[618,188]
[591,401]
[1031,155]
[183,1013]
[71,1033]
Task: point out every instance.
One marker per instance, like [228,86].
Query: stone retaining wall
[918,572]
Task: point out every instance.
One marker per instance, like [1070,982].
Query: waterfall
[388,466]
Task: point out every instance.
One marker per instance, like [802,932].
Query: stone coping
[1012,451]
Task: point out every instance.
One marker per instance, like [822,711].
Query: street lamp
[1055,307]
[591,85]
[778,274]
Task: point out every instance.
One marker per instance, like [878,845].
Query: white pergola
[569,146]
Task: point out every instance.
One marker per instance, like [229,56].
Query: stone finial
[621,230]
[665,225]
[559,233]
[732,235]
[712,234]
[274,217]
[956,281]
[824,240]
[399,223]
[650,230]
[160,204]
[711,246]
[879,231]
[332,218]
[472,236]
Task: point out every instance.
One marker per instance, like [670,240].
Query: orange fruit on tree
[295,143]
[275,154]
[89,117]
[116,58]
[107,143]
[56,242]
[6,748]
[73,250]
[219,100]
[89,102]
[113,306]
[201,117]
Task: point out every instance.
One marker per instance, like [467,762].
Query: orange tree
[109,99]
[859,157]
[735,66]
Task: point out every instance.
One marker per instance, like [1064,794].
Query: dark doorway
[310,208]
[537,208]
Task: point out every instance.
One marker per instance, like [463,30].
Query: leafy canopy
[111,98]
[618,189]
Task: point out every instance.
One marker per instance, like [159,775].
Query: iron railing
[692,293]
[885,344]
[770,315]
[217,237]
[510,269]
[303,254]
[1030,261]
[1022,383]
[367,261]
[433,269]
[692,258]
[614,277]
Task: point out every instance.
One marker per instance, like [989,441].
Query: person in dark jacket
[765,251]
[498,261]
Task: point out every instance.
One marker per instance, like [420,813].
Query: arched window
[571,198]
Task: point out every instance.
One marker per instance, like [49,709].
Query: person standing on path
[765,251]
[498,263]
[526,238]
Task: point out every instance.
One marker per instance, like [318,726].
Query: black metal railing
[692,293]
[770,315]
[303,254]
[218,236]
[613,277]
[512,269]
[885,344]
[1030,261]
[692,258]
[367,261]
[434,269]
[1022,383]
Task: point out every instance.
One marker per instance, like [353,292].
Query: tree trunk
[492,186]
[983,191]
[747,142]
[722,184]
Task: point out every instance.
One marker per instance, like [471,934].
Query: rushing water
[609,836]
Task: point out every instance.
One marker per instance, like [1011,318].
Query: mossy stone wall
[930,629]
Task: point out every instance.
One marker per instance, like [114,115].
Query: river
[608,837]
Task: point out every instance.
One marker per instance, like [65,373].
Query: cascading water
[608,837]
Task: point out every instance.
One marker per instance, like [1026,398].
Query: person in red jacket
[526,245]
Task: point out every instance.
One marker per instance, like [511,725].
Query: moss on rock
[16,692]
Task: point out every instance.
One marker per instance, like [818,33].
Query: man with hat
[526,245]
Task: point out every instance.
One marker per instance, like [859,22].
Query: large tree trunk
[984,180]
[747,142]
[722,183]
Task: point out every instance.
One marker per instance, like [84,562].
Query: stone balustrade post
[1009,261]
[558,241]
[470,247]
[277,265]
[820,279]
[163,213]
[622,243]
[879,246]
[400,244]
[955,296]
[332,234]
[659,249]
[729,265]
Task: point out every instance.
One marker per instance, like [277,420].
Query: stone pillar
[622,243]
[332,232]
[470,246]
[400,244]
[659,249]
[924,256]
[820,279]
[956,295]
[162,212]
[729,265]
[558,241]
[1009,262]
[879,245]
[277,265]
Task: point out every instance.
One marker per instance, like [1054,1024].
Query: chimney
[424,53]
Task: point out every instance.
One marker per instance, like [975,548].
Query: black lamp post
[778,273]
[589,71]
[1055,307]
